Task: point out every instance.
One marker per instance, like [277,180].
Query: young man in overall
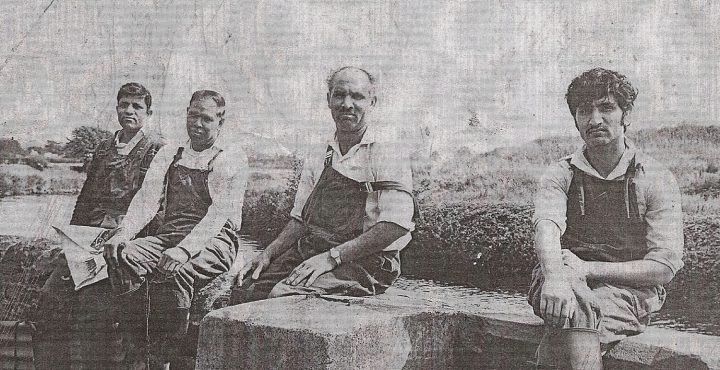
[608,231]
[353,209]
[119,164]
[114,176]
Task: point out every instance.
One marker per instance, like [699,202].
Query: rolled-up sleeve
[391,162]
[551,197]
[663,218]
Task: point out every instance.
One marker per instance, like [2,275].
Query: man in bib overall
[608,231]
[195,192]
[115,174]
[118,165]
[353,210]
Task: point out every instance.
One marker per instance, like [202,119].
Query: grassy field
[20,179]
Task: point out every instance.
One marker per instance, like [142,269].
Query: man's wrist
[334,255]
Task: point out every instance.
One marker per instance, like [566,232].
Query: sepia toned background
[439,63]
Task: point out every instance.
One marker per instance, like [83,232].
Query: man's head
[205,117]
[351,96]
[133,106]
[600,100]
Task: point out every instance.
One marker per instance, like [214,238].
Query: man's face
[132,113]
[600,122]
[203,123]
[350,99]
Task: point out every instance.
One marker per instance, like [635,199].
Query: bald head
[348,72]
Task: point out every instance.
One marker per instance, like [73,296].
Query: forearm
[372,241]
[639,273]
[292,232]
[547,248]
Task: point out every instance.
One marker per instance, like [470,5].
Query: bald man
[353,210]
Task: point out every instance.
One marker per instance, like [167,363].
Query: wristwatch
[335,254]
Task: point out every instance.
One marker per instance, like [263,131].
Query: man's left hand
[311,269]
[172,259]
[574,262]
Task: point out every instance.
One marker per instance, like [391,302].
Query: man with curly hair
[608,231]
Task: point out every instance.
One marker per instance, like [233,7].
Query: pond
[31,216]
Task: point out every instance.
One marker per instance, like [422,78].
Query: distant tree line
[78,148]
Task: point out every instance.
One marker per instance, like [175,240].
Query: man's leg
[171,297]
[256,289]
[613,312]
[369,276]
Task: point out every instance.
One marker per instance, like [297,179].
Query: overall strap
[329,156]
[176,159]
[212,160]
[578,176]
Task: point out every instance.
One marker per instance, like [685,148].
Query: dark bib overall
[603,219]
[333,214]
[112,182]
[187,199]
[603,224]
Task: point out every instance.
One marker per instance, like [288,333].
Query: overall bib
[333,214]
[113,179]
[604,224]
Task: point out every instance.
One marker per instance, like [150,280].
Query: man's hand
[257,265]
[172,259]
[111,249]
[574,262]
[557,302]
[311,269]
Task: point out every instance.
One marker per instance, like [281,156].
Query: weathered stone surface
[404,330]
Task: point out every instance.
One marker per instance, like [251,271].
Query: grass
[20,179]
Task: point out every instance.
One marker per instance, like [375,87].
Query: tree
[84,140]
[52,146]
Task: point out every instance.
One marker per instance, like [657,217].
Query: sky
[437,63]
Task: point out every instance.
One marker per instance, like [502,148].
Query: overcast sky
[436,61]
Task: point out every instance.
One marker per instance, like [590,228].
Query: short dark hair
[330,80]
[135,90]
[214,96]
[598,83]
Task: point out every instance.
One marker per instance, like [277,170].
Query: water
[31,216]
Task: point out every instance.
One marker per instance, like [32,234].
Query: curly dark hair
[135,90]
[598,83]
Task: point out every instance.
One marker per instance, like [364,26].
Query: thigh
[622,314]
[369,276]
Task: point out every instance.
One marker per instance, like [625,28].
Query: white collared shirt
[658,198]
[226,184]
[389,163]
[126,148]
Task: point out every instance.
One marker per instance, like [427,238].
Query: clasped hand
[170,262]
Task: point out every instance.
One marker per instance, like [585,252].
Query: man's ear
[328,98]
[373,100]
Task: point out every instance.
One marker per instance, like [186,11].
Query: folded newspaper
[83,250]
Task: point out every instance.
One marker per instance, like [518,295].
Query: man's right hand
[111,249]
[557,302]
[257,265]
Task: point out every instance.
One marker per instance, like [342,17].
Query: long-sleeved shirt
[658,198]
[389,163]
[226,183]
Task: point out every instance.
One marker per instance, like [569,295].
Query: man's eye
[607,108]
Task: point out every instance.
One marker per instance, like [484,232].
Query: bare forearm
[292,232]
[372,241]
[547,248]
[639,273]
